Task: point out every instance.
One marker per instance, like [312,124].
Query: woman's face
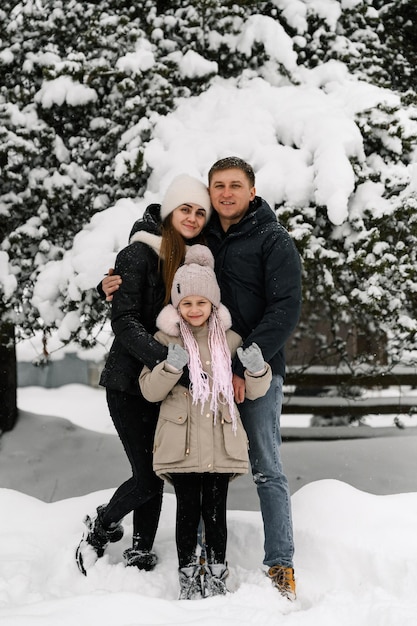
[188,220]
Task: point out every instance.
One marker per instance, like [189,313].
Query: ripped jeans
[261,419]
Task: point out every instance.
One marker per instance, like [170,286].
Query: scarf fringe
[220,392]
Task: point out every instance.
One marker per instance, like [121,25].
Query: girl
[200,442]
[146,266]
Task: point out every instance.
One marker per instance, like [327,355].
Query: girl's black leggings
[201,496]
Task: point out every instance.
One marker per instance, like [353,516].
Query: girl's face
[188,220]
[195,310]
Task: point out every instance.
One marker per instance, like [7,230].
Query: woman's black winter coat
[134,310]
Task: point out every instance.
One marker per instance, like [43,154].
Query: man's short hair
[233,163]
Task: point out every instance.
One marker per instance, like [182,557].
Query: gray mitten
[177,356]
[252,358]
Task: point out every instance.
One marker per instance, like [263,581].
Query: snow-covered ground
[356,555]
[356,563]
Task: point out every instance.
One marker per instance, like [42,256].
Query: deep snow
[355,562]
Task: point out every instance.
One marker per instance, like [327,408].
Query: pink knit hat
[182,190]
[196,277]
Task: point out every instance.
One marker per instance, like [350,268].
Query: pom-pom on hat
[185,189]
[196,277]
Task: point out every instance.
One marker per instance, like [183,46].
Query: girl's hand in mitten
[177,357]
[252,358]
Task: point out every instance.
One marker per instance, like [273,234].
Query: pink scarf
[221,366]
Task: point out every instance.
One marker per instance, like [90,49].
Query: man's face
[230,194]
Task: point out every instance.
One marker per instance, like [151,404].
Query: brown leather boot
[283,579]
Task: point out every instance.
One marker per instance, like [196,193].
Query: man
[259,272]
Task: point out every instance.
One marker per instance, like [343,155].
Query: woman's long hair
[172,253]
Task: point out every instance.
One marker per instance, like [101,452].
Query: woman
[147,266]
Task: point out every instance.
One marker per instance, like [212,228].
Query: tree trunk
[8,377]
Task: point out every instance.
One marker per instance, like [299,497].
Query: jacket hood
[148,229]
[169,319]
[150,222]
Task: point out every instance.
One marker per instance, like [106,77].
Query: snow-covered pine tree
[65,104]
[76,113]
[360,277]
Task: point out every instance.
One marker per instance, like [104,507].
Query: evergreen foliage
[63,162]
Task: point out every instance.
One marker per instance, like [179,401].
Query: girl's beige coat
[187,437]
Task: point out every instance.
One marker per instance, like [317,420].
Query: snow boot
[140,558]
[95,540]
[191,582]
[283,579]
[214,584]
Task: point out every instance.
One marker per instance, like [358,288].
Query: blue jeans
[261,419]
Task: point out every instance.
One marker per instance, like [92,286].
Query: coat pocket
[236,444]
[170,443]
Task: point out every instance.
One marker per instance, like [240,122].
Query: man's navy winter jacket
[259,272]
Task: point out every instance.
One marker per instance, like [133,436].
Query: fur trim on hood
[169,318]
[153,241]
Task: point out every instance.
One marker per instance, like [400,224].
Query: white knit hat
[185,189]
[196,277]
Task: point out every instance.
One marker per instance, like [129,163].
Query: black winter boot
[95,540]
[140,558]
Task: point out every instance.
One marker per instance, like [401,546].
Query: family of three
[204,298]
